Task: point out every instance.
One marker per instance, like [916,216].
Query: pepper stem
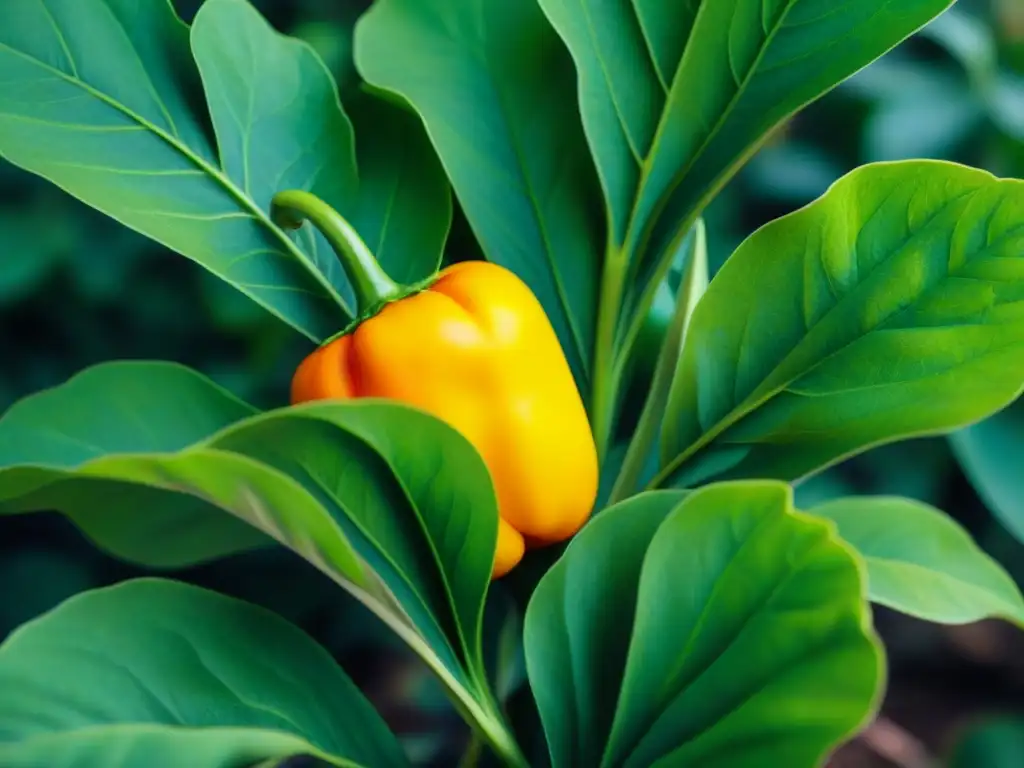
[370,282]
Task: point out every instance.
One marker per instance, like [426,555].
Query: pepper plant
[697,617]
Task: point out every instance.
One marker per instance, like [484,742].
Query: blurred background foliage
[77,288]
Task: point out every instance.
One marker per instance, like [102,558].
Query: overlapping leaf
[693,630]
[891,307]
[101,97]
[156,674]
[676,95]
[922,562]
[360,489]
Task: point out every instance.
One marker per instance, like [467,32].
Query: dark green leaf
[95,97]
[746,66]
[723,630]
[365,463]
[989,453]
[891,307]
[155,674]
[994,743]
[404,207]
[495,88]
[675,96]
[277,116]
[921,562]
[347,485]
[123,408]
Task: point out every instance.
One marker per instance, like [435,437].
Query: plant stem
[694,282]
[471,757]
[605,387]
[370,282]
[482,716]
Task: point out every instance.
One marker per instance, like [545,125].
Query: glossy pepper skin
[476,350]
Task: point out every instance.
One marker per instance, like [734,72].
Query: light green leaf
[891,307]
[94,96]
[990,454]
[158,674]
[508,133]
[347,485]
[921,562]
[722,629]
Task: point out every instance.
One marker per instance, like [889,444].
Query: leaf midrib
[176,143]
[612,91]
[677,686]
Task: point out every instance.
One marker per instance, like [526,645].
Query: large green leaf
[124,408]
[722,628]
[349,486]
[156,673]
[95,95]
[495,88]
[675,96]
[990,455]
[890,307]
[101,97]
[921,562]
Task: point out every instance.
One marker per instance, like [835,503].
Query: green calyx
[373,288]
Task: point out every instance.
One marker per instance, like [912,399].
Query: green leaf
[507,131]
[95,97]
[347,485]
[676,96]
[577,626]
[158,674]
[277,116]
[404,208]
[747,66]
[989,453]
[922,562]
[889,308]
[719,628]
[622,90]
[124,408]
[420,527]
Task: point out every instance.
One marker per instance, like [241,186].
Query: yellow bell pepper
[474,348]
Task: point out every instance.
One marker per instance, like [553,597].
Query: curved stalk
[370,282]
